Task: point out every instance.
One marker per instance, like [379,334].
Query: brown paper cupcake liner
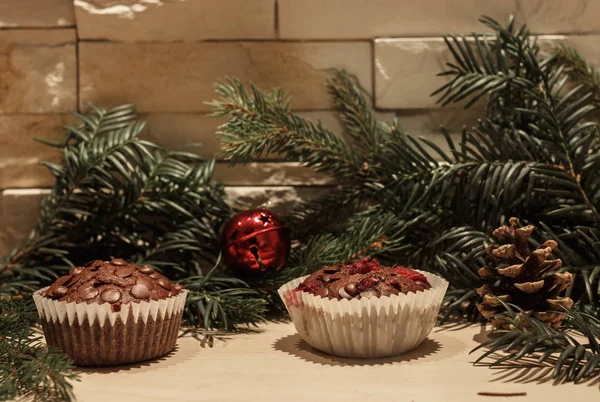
[94,335]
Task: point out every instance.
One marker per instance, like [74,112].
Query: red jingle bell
[255,241]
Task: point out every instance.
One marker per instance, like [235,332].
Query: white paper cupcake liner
[367,327]
[95,335]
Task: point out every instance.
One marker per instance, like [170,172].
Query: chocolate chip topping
[94,264]
[111,295]
[88,293]
[75,279]
[123,272]
[76,271]
[140,291]
[116,282]
[364,278]
[147,282]
[164,283]
[146,270]
[62,280]
[351,289]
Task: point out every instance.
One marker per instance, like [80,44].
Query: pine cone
[525,279]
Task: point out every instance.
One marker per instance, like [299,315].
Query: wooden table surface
[275,365]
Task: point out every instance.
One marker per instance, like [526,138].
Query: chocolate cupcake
[364,309]
[111,313]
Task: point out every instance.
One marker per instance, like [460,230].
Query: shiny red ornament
[255,241]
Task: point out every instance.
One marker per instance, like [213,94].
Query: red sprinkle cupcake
[364,309]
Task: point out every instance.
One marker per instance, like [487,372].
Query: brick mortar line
[36,28]
[243,40]
[37,114]
[276,12]
[310,40]
[268,186]
[77,71]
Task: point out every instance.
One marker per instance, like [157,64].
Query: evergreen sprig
[218,302]
[534,154]
[262,124]
[28,369]
[577,67]
[573,351]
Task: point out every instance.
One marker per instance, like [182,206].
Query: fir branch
[572,360]
[577,67]
[544,111]
[457,254]
[222,302]
[262,124]
[28,369]
[488,65]
[375,232]
[142,193]
[366,229]
[313,217]
[356,112]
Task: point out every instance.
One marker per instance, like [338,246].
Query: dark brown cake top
[363,278]
[116,282]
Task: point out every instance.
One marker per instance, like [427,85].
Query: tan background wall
[165,55]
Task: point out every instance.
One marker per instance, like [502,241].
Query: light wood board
[274,365]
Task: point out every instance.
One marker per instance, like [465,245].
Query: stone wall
[165,55]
